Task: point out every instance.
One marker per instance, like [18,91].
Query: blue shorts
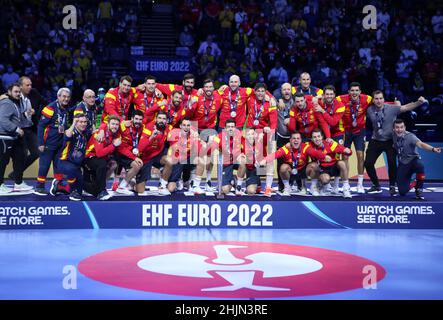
[359,140]
[178,169]
[252,177]
[228,174]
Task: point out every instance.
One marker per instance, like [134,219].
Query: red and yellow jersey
[254,152]
[118,104]
[147,103]
[234,102]
[307,119]
[189,98]
[299,157]
[206,110]
[263,111]
[357,108]
[332,149]
[333,116]
[102,149]
[130,140]
[184,146]
[151,146]
[231,147]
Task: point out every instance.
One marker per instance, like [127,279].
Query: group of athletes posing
[176,128]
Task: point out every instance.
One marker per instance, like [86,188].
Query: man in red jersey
[295,165]
[304,118]
[98,164]
[153,153]
[189,94]
[354,121]
[147,101]
[119,99]
[327,169]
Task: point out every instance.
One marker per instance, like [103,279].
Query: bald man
[88,107]
[305,86]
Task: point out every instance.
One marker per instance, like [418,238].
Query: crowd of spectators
[274,41]
[35,43]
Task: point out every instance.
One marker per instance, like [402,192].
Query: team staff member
[50,132]
[153,153]
[118,100]
[88,108]
[11,139]
[304,118]
[71,159]
[333,168]
[305,86]
[295,157]
[382,117]
[354,121]
[409,161]
[98,163]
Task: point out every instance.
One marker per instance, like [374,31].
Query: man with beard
[71,158]
[11,139]
[205,113]
[153,153]
[189,94]
[295,165]
[354,121]
[228,142]
[50,132]
[98,164]
[88,108]
[128,153]
[327,169]
[183,153]
[118,100]
[147,101]
[234,102]
[305,86]
[304,118]
[173,107]
[382,117]
[409,160]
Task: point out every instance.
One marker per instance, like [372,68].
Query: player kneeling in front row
[409,161]
[335,168]
[295,161]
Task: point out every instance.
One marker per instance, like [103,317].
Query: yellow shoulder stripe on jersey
[272,108]
[285,149]
[172,87]
[217,139]
[291,113]
[338,98]
[122,126]
[369,99]
[110,96]
[319,92]
[147,131]
[133,90]
[334,146]
[293,90]
[341,109]
[48,112]
[306,147]
[248,91]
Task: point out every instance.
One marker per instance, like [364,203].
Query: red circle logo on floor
[232,269]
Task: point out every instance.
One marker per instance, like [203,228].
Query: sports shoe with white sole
[287,191]
[126,191]
[22,187]
[360,188]
[197,190]
[163,191]
[347,193]
[314,191]
[4,189]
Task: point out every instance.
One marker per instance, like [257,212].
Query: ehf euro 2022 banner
[165,69]
[221,214]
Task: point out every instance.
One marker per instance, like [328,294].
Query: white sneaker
[314,191]
[335,191]
[22,187]
[294,188]
[5,189]
[327,188]
[126,191]
[209,187]
[163,191]
[360,188]
[325,191]
[287,191]
[197,190]
[347,192]
[180,185]
[303,191]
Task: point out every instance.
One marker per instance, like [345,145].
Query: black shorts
[123,161]
[358,139]
[252,177]
[333,170]
[178,169]
[145,172]
[228,174]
